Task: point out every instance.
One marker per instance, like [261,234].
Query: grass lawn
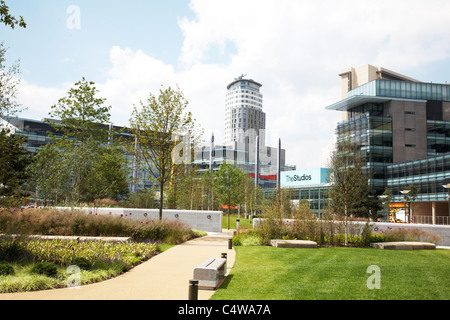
[243,223]
[268,273]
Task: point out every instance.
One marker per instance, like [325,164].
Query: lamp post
[447,186]
[405,196]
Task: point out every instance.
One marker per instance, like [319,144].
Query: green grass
[265,273]
[243,223]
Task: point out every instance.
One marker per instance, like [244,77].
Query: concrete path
[163,277]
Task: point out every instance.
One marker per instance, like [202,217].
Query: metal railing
[442,220]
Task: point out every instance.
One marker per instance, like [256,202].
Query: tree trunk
[228,220]
[345,224]
[161,198]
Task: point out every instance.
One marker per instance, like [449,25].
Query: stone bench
[404,245]
[278,243]
[209,272]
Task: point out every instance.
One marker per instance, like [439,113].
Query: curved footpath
[163,277]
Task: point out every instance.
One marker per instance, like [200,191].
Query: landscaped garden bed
[35,263]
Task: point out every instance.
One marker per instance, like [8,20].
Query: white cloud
[294,48]
[38,100]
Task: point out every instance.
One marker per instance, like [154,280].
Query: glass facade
[428,175]
[371,130]
[37,134]
[371,126]
[316,196]
[438,137]
[403,90]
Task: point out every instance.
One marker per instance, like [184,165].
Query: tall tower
[243,111]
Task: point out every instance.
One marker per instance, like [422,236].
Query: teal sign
[301,178]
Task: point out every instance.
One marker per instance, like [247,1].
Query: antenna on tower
[241,77]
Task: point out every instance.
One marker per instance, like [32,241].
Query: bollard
[193,289]
[230,243]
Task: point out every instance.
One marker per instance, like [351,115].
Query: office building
[37,134]
[308,185]
[402,126]
[244,117]
[244,138]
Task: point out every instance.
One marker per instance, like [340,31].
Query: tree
[107,177]
[228,186]
[82,136]
[50,172]
[14,159]
[8,19]
[8,86]
[349,181]
[186,191]
[81,165]
[158,126]
[81,114]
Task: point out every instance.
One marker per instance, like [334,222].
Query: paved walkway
[163,277]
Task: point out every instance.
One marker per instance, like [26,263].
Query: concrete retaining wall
[209,221]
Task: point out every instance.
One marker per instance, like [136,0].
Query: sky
[294,48]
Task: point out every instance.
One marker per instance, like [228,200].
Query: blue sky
[52,53]
[294,48]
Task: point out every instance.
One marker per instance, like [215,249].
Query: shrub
[45,268]
[82,263]
[413,234]
[76,223]
[249,238]
[13,250]
[6,269]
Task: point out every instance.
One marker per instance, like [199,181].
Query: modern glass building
[243,155]
[310,185]
[37,134]
[403,128]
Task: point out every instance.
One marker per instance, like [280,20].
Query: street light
[447,186]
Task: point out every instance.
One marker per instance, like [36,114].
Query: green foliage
[6,269]
[14,159]
[157,127]
[144,199]
[9,20]
[81,114]
[247,238]
[80,166]
[12,250]
[45,268]
[82,263]
[75,223]
[9,83]
[228,181]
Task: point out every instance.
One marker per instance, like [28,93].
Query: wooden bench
[209,272]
